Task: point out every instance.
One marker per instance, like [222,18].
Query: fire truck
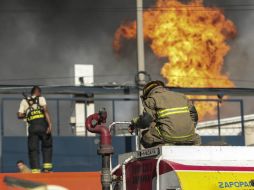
[174,167]
[186,168]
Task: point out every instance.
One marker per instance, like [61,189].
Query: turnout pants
[37,135]
[151,138]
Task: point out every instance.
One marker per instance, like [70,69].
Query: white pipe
[110,167]
[124,176]
[158,173]
[124,171]
[110,162]
[115,168]
[117,122]
[137,139]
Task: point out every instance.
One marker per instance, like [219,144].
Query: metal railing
[56,107]
[218,107]
[113,109]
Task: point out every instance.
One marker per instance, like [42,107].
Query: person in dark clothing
[34,110]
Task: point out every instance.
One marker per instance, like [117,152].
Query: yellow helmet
[151,85]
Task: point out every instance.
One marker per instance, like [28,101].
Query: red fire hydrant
[95,123]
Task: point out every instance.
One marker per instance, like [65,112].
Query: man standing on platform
[34,110]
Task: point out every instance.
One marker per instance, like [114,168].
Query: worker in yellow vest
[34,110]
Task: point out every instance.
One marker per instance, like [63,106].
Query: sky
[41,40]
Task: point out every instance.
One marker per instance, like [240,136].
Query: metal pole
[85,101]
[2,117]
[2,134]
[242,119]
[105,173]
[58,117]
[113,113]
[218,115]
[124,176]
[140,46]
[141,55]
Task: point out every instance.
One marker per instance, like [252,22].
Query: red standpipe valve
[95,123]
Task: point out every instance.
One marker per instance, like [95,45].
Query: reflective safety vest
[35,112]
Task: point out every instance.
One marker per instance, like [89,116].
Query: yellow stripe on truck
[216,180]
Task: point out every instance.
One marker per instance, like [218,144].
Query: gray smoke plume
[240,61]
[41,40]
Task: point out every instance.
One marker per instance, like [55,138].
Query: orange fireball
[193,39]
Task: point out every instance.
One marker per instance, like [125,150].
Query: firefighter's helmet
[151,85]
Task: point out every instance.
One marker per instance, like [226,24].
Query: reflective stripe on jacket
[171,112]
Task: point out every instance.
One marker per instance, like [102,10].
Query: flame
[193,39]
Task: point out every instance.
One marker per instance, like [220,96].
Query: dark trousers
[151,138]
[37,134]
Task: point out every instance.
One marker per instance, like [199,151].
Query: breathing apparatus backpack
[35,113]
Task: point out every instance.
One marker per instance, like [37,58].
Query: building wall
[70,153]
[80,153]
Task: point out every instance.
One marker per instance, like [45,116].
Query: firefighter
[168,117]
[34,110]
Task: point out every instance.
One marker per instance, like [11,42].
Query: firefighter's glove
[133,125]
[134,121]
[193,114]
[131,128]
